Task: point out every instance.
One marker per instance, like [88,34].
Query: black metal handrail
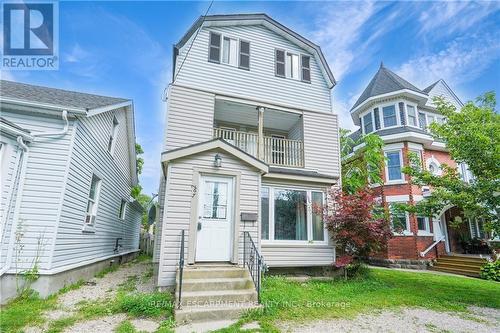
[253,261]
[181,268]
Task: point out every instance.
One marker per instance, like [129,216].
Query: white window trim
[416,114]
[427,231]
[124,212]
[433,160]
[401,163]
[407,230]
[222,50]
[114,134]
[381,114]
[90,227]
[363,121]
[309,241]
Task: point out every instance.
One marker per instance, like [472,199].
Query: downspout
[17,207]
[20,188]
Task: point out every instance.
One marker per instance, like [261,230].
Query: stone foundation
[48,284]
[317,271]
[399,263]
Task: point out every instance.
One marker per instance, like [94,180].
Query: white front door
[215,219]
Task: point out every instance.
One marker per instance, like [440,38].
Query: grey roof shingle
[53,96]
[385,81]
[429,88]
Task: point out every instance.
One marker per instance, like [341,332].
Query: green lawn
[380,289]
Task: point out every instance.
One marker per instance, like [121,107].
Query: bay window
[393,165]
[289,215]
[412,115]
[389,115]
[399,219]
[368,123]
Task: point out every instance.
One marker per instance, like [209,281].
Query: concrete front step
[199,298]
[212,312]
[207,272]
[216,284]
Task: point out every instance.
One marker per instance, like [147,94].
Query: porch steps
[214,292]
[463,265]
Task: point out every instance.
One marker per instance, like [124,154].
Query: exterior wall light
[217,161]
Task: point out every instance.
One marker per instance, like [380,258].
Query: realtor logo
[30,35]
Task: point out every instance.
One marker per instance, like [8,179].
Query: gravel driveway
[482,320]
[100,289]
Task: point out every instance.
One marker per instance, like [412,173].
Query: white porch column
[260,148]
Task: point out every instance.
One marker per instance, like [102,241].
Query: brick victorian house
[400,113]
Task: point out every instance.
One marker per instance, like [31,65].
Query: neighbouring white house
[251,145]
[68,164]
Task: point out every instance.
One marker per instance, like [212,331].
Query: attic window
[292,65]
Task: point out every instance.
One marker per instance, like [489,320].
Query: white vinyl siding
[321,146]
[260,82]
[189,111]
[177,211]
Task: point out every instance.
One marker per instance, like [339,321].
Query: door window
[215,206]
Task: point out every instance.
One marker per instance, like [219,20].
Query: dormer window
[389,114]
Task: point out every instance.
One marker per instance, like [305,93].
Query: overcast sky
[124,49]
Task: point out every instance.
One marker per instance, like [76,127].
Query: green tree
[472,136]
[362,166]
[136,190]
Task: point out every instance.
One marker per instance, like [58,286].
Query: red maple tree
[354,226]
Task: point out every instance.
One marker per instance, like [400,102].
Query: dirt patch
[481,320]
[145,325]
[99,325]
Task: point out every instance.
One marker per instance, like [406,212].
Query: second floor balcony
[272,136]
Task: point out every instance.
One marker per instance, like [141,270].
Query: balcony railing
[272,150]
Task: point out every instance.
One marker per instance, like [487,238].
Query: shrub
[491,271]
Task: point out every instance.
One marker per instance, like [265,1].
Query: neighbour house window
[377,118]
[112,135]
[123,208]
[292,66]
[402,113]
[368,123]
[421,120]
[244,55]
[95,187]
[264,212]
[399,219]
[423,223]
[288,215]
[412,115]
[394,165]
[215,46]
[389,114]
[229,51]
[306,68]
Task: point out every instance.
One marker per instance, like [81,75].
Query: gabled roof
[253,19]
[210,145]
[385,81]
[53,96]
[429,88]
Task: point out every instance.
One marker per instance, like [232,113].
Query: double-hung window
[399,219]
[412,115]
[123,209]
[292,66]
[229,51]
[422,123]
[292,215]
[394,165]
[368,123]
[93,199]
[389,115]
[423,224]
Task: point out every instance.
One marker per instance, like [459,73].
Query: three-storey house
[251,145]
